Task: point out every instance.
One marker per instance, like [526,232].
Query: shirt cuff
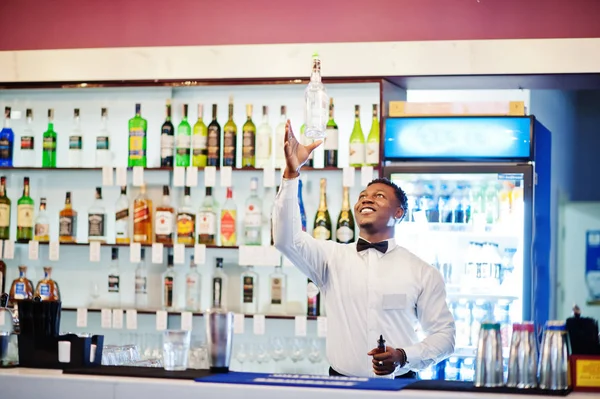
[289,188]
[412,356]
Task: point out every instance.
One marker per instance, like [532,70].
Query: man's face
[376,208]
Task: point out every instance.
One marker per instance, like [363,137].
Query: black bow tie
[363,245]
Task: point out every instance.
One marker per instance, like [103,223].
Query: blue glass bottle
[301,203]
[7,140]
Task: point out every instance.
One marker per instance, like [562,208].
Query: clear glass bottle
[76,142]
[207,220]
[315,106]
[25,214]
[186,220]
[219,286]
[7,141]
[253,216]
[113,296]
[184,140]
[27,142]
[168,283]
[264,141]
[229,221]
[165,219]
[47,288]
[122,218]
[249,294]
[310,163]
[280,139]
[141,282]
[356,155]
[167,139]
[103,150]
[193,282]
[97,219]
[42,223]
[277,291]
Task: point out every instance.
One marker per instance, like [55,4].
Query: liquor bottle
[315,100]
[49,143]
[25,215]
[331,141]
[214,140]
[306,141]
[249,140]
[280,139]
[168,285]
[142,218]
[186,220]
[253,216]
[165,220]
[278,291]
[184,137]
[114,281]
[2,276]
[193,282]
[76,142]
[207,220]
[42,224]
[219,286]
[27,142]
[264,141]
[137,139]
[200,140]
[67,222]
[372,152]
[313,299]
[167,139]
[344,231]
[356,156]
[249,283]
[322,225]
[21,288]
[103,154]
[7,141]
[228,221]
[301,204]
[122,218]
[229,138]
[141,282]
[47,289]
[97,219]
[4,211]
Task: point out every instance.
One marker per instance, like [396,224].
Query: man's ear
[399,215]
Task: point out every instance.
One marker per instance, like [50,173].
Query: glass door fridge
[470,184]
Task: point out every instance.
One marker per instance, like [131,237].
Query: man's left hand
[385,362]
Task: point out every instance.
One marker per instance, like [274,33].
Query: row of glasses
[278,349]
[113,355]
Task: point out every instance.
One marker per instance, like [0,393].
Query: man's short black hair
[400,194]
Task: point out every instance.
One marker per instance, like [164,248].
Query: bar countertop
[31,383]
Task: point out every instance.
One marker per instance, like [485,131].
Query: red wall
[47,24]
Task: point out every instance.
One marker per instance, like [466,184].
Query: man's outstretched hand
[296,154]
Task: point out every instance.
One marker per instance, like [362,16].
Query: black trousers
[411,374]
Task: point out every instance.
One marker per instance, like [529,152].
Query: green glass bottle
[356,156]
[249,140]
[4,211]
[49,143]
[137,139]
[229,138]
[25,215]
[184,138]
[200,140]
[372,153]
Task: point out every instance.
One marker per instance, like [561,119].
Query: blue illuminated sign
[458,138]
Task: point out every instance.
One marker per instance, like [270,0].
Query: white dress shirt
[367,294]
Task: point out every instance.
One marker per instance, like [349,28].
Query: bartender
[370,288]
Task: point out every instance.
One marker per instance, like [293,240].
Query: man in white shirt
[370,288]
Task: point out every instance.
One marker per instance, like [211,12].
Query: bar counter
[31,383]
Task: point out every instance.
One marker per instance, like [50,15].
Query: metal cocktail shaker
[554,357]
[523,357]
[489,370]
[219,333]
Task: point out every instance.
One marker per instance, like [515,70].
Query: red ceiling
[35,24]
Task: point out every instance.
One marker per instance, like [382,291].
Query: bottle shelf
[199,314]
[86,244]
[169,169]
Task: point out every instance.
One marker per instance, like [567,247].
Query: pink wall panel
[51,24]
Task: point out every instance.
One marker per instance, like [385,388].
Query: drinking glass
[176,347]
